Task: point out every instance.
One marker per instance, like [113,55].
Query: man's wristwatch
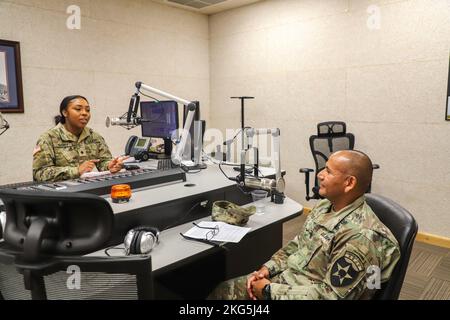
[266,292]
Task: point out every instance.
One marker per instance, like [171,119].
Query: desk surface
[174,249]
[204,181]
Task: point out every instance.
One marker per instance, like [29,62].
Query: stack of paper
[93,174]
[226,233]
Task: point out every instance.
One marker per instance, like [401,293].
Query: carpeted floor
[428,275]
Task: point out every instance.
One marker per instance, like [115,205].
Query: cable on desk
[193,172]
[234,138]
[183,217]
[112,248]
[168,227]
[210,242]
[220,167]
[243,191]
[209,157]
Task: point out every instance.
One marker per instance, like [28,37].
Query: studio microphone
[261,183]
[122,122]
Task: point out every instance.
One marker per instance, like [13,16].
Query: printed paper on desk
[128,160]
[227,232]
[93,174]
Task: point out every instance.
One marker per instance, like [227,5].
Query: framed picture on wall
[11,95]
[447,112]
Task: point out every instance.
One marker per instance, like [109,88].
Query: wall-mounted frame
[11,94]
[447,112]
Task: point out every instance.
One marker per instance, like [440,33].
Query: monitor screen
[159,118]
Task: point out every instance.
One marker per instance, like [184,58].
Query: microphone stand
[242,166]
[275,186]
[243,98]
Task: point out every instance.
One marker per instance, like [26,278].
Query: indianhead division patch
[346,270]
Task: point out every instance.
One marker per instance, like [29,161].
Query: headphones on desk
[141,240]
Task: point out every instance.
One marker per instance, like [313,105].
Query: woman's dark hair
[63,106]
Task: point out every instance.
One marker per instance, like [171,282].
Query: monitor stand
[157,156]
[192,166]
[167,151]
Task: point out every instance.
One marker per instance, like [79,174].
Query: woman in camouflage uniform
[71,148]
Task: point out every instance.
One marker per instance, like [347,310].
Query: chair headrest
[331,129]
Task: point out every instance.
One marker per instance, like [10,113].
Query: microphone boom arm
[276,157]
[132,120]
[191,106]
[277,186]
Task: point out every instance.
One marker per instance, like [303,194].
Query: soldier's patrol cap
[231,213]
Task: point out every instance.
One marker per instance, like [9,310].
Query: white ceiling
[207,6]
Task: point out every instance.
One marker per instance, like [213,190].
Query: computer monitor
[159,119]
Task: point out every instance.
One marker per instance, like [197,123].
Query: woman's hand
[116,164]
[87,166]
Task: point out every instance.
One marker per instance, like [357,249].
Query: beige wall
[120,42]
[305,61]
[308,61]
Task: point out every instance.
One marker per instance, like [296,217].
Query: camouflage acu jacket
[58,153]
[335,256]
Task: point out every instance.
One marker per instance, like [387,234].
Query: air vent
[197,4]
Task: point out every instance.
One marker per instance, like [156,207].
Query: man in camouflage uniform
[340,243]
[59,153]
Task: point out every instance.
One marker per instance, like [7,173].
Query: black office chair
[331,136]
[404,227]
[46,232]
